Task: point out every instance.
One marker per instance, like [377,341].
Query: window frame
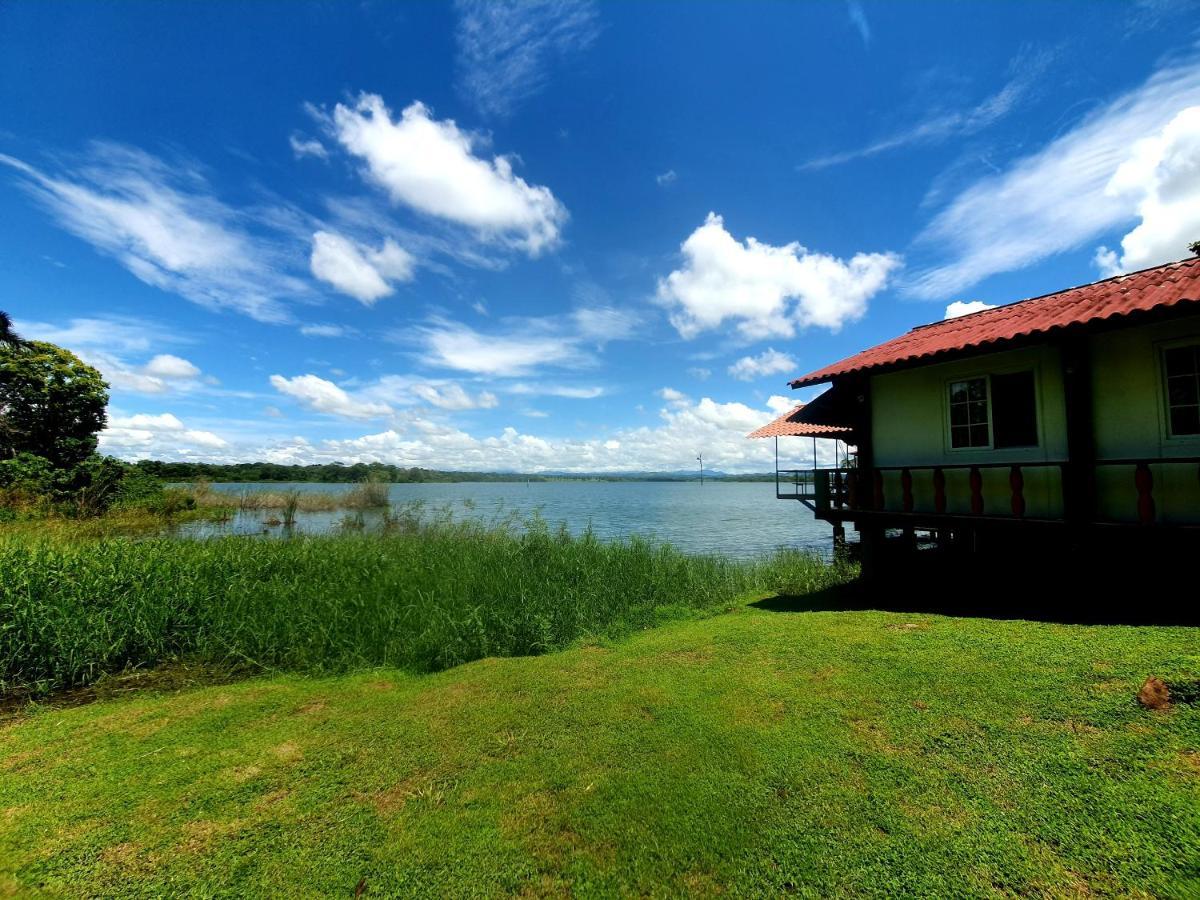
[990,447]
[949,404]
[1191,342]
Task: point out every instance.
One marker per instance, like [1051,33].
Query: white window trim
[991,447]
[977,448]
[1164,404]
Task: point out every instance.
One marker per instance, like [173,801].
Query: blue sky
[558,235]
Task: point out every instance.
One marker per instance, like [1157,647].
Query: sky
[558,235]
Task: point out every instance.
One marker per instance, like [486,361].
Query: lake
[733,519]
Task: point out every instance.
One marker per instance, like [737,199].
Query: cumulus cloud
[506,47]
[359,271]
[666,178]
[1059,198]
[430,165]
[685,428]
[146,436]
[172,368]
[769,362]
[768,291]
[323,396]
[165,226]
[1162,177]
[110,343]
[966,307]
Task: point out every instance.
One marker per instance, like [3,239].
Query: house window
[1183,390]
[1014,410]
[969,413]
[997,411]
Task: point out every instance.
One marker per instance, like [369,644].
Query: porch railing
[841,491]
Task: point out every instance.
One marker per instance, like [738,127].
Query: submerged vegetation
[426,594]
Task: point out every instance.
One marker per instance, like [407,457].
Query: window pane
[1182,390]
[978,413]
[977,388]
[1181,361]
[1185,420]
[958,414]
[958,392]
[1014,410]
[960,437]
[979,435]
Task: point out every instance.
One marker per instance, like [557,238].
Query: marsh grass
[425,594]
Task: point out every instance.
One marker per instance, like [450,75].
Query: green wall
[909,420]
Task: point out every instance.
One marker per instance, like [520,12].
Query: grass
[805,752]
[368,494]
[423,596]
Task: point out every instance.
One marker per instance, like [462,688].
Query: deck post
[870,535]
[1079,473]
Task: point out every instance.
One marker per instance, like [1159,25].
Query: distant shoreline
[335,473]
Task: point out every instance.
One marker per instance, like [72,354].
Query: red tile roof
[788,426]
[1165,286]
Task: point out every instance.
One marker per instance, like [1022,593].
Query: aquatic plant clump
[421,596]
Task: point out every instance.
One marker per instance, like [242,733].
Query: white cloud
[700,373]
[450,345]
[666,178]
[858,18]
[146,436]
[604,323]
[164,226]
[451,396]
[1162,177]
[108,343]
[359,271]
[768,291]
[505,47]
[570,392]
[430,166]
[769,362]
[966,307]
[170,367]
[685,428]
[302,147]
[326,331]
[779,404]
[324,396]
[1025,70]
[1056,199]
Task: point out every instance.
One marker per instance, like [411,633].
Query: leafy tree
[8,337]
[1194,246]
[52,404]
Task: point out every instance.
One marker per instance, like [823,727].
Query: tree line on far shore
[337,473]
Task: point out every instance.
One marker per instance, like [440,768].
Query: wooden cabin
[1057,422]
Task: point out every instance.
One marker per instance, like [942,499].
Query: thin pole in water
[701,458]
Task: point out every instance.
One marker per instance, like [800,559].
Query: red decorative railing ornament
[976,491]
[1016,481]
[1143,478]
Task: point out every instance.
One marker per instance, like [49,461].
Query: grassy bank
[758,753]
[420,597]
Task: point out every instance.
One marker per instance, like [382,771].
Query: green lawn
[817,752]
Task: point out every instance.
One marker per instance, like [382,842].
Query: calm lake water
[738,520]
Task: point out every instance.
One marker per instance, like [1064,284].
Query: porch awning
[815,419]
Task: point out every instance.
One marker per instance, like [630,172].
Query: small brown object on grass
[1154,694]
